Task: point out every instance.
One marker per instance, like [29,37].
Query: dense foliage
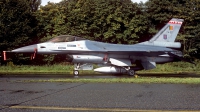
[18,26]
[114,21]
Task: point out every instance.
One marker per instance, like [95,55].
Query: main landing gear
[131,72]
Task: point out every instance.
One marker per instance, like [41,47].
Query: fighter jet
[114,58]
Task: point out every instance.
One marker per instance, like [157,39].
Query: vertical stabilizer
[169,32]
[167,35]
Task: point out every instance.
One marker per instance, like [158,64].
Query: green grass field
[174,67]
[67,70]
[144,80]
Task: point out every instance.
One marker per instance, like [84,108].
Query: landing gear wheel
[131,72]
[76,72]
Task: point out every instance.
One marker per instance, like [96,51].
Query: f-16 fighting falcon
[114,58]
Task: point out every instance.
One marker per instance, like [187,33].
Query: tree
[51,21]
[115,21]
[18,24]
[190,11]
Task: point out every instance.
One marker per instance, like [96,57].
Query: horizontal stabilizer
[181,58]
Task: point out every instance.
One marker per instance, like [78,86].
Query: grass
[174,67]
[147,80]
[36,69]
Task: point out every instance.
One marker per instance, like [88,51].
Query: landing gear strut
[76,68]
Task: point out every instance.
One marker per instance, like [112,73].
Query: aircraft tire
[76,72]
[131,72]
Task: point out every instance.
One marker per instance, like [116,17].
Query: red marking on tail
[175,22]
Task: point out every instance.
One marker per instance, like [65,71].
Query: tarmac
[19,95]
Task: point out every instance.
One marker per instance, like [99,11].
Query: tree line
[25,22]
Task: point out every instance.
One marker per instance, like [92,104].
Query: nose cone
[26,49]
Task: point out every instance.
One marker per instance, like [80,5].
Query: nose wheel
[76,72]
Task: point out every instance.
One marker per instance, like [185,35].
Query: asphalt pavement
[16,95]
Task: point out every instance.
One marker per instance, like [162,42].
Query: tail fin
[169,32]
[167,35]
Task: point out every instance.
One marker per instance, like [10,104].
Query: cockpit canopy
[65,38]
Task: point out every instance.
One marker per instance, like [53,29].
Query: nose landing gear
[78,66]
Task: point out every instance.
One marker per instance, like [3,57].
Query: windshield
[65,38]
